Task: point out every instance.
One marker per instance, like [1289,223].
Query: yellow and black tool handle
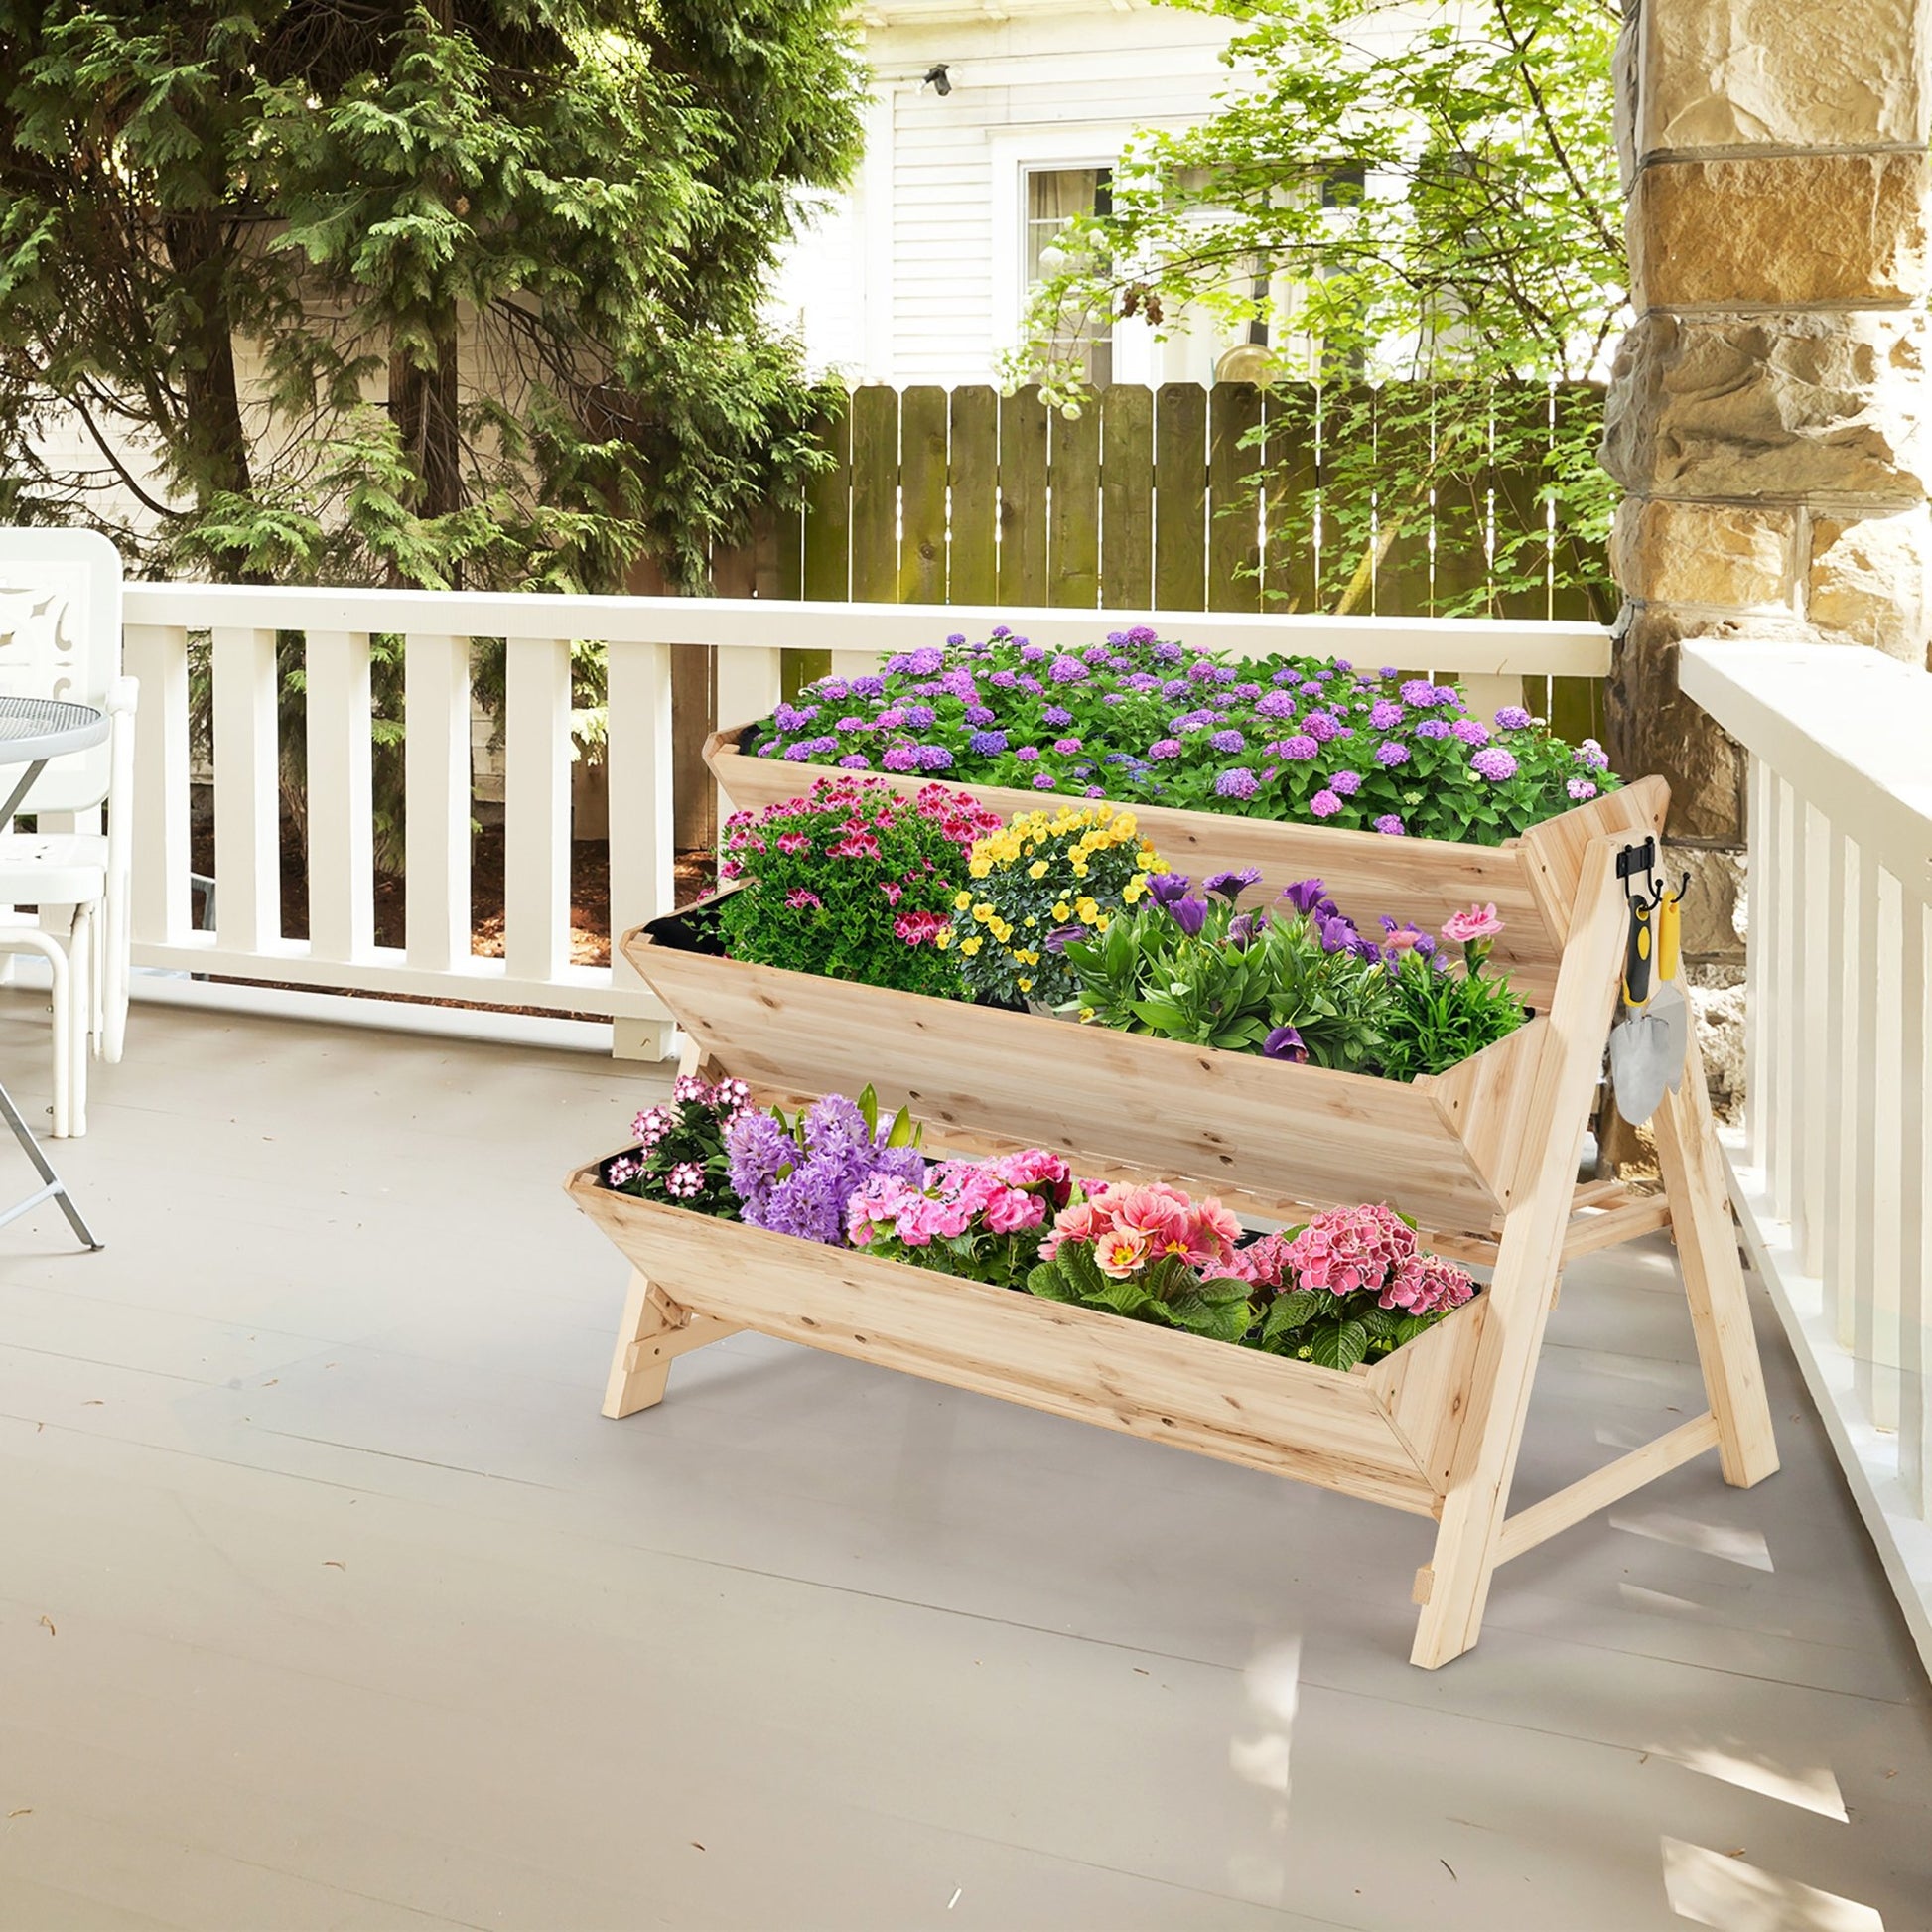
[1637,957]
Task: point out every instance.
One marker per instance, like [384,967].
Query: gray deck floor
[328,1599]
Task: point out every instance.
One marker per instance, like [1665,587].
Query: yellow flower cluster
[1071,865]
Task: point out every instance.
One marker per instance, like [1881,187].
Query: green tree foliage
[462,292]
[1419,204]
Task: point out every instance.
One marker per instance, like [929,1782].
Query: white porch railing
[536,970]
[1834,1167]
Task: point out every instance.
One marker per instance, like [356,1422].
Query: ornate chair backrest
[61,638]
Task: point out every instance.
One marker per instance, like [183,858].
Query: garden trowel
[1652,1031]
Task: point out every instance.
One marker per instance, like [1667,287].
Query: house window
[1053,197]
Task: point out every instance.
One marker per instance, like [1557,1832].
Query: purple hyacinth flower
[1231,885]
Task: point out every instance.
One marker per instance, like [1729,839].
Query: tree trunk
[216,443]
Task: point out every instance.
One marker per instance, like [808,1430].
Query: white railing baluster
[1757,960]
[247,792]
[642,873]
[1915,1185]
[536,807]
[748,685]
[1880,1354]
[157,654]
[1780,1007]
[341,818]
[1861,1106]
[436,772]
[1837,913]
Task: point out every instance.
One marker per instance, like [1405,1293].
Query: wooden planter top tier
[1532,880]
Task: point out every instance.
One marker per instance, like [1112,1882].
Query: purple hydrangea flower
[854,725]
[1320,725]
[1043,781]
[832,689]
[1513,718]
[1247,692]
[1067,670]
[1026,753]
[1418,691]
[1056,714]
[1163,653]
[1164,748]
[1228,740]
[1325,804]
[978,714]
[1386,672]
[1238,783]
[1391,752]
[1591,753]
[1348,783]
[872,685]
[855,761]
[987,744]
[1384,714]
[920,716]
[1433,727]
[1066,747]
[1389,826]
[957,638]
[1275,704]
[900,758]
[935,758]
[1580,789]
[1471,730]
[1494,764]
[799,753]
[1300,745]
[1005,680]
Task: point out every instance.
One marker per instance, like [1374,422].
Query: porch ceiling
[330,1600]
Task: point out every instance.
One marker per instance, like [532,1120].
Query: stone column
[1766,412]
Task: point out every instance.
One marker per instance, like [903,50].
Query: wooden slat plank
[1023,497]
[1291,507]
[536,808]
[973,464]
[1590,1232]
[875,495]
[923,496]
[1460,515]
[157,654]
[1073,510]
[341,819]
[1346,559]
[1604,1486]
[1234,510]
[247,791]
[827,549]
[436,772]
[1126,499]
[1181,498]
[1403,437]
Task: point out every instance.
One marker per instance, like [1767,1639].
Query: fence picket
[247,791]
[1181,496]
[1126,499]
[973,466]
[826,549]
[157,655]
[340,816]
[1023,497]
[1290,414]
[922,496]
[875,495]
[1073,510]
[1233,504]
[436,773]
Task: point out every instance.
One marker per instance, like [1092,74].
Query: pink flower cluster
[729,1099]
[1131,1227]
[854,812]
[1009,1196]
[1478,922]
[1349,1250]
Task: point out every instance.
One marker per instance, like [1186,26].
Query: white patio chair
[59,637]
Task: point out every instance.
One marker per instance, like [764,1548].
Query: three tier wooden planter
[1485,1157]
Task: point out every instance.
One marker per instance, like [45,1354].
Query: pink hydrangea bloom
[1351,1248]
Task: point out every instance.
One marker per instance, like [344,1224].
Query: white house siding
[918,278]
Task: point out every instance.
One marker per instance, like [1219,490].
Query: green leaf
[1124,1298]
[906,1131]
[1047,1282]
[869,1109]
[1076,1261]
[1290,1312]
[1337,1344]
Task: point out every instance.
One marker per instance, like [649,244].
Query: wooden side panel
[1483,1101]
[1286,1418]
[1554,851]
[1173,1109]
[1423,1390]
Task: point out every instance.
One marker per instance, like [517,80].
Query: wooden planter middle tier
[1531,881]
[1443,1150]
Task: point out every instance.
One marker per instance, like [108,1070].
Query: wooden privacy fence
[1147,500]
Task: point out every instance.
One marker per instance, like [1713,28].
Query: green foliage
[1168,1293]
[1434,1019]
[1421,205]
[457,293]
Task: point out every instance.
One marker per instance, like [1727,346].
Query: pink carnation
[1478,922]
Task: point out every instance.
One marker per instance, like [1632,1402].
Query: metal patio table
[32,730]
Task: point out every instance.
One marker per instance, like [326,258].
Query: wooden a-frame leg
[1529,1257]
[1692,1168]
[655,1332]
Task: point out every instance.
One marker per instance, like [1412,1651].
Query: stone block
[1654,727]
[1779,231]
[1732,556]
[1711,931]
[1731,73]
[1809,405]
[1870,581]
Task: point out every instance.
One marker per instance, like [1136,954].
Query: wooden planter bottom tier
[1386,1431]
